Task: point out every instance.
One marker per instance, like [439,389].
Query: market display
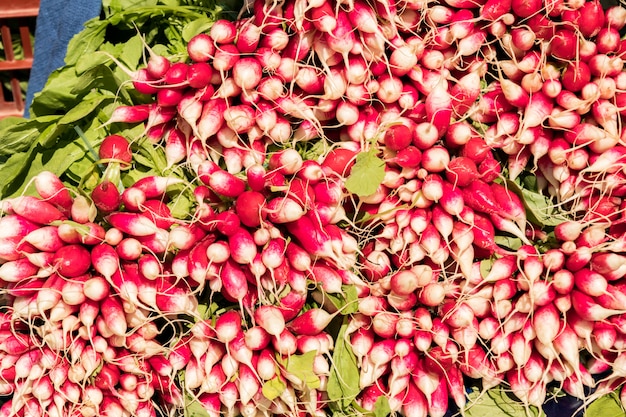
[324,208]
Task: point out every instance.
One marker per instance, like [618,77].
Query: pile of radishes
[359,175]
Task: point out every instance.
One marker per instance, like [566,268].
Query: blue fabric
[58,21]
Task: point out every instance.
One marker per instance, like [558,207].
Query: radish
[51,189]
[106,197]
[72,261]
[36,210]
[132,224]
[311,322]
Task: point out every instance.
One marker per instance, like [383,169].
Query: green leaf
[87,41]
[18,137]
[343,382]
[485,267]
[367,174]
[346,301]
[196,27]
[381,407]
[150,156]
[11,169]
[84,109]
[193,408]
[539,209]
[300,367]
[100,77]
[497,403]
[132,52]
[56,96]
[181,206]
[15,174]
[510,242]
[273,388]
[606,406]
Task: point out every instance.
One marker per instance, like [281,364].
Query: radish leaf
[346,301]
[343,382]
[606,406]
[510,242]
[485,267]
[193,408]
[273,388]
[381,407]
[539,209]
[195,27]
[497,403]
[367,174]
[301,367]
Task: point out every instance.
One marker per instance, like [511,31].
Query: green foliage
[606,406]
[193,408]
[343,382]
[496,402]
[85,91]
[539,209]
[367,173]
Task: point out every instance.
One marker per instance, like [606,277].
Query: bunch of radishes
[344,160]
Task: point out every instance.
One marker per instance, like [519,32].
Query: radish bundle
[359,208]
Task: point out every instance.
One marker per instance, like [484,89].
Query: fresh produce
[325,208]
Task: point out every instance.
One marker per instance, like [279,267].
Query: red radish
[106,197]
[226,184]
[114,316]
[158,212]
[51,189]
[435,159]
[201,48]
[461,171]
[82,210]
[45,239]
[270,319]
[576,76]
[235,284]
[132,223]
[129,249]
[154,186]
[35,210]
[96,289]
[72,260]
[115,148]
[328,279]
[175,75]
[248,207]
[173,298]
[311,322]
[199,77]
[211,119]
[452,200]
[18,270]
[13,225]
[242,246]
[564,44]
[285,343]
[144,84]
[590,283]
[157,66]
[133,114]
[227,222]
[239,118]
[287,161]
[133,198]
[588,309]
[538,110]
